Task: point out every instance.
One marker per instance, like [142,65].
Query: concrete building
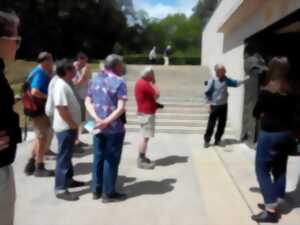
[241,29]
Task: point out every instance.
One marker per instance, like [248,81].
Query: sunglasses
[17,39]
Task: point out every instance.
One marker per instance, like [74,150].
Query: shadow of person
[149,188]
[292,200]
[228,142]
[82,152]
[82,168]
[171,160]
[122,180]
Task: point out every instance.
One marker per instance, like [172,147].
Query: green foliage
[204,9]
[175,59]
[184,34]
[66,27]
[99,27]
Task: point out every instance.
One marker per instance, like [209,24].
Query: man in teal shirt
[39,80]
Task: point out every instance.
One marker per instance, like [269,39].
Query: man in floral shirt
[106,101]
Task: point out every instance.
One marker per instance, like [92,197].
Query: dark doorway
[280,39]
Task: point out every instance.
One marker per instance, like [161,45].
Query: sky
[161,8]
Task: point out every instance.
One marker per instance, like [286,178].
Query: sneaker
[30,167]
[97,195]
[41,171]
[115,197]
[50,155]
[75,184]
[67,196]
[266,217]
[145,164]
[206,145]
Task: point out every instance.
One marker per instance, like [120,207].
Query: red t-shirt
[145,97]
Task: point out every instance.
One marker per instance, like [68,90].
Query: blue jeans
[107,156]
[271,165]
[64,168]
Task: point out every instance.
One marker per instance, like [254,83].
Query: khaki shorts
[147,123]
[41,126]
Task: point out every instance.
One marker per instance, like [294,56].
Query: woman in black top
[275,110]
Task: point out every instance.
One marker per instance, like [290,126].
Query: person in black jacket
[275,109]
[10,132]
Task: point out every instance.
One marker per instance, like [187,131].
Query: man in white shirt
[66,119]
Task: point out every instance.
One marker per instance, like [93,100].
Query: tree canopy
[99,27]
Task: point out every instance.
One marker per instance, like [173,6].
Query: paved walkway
[168,195]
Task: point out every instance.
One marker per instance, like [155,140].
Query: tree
[204,9]
[66,27]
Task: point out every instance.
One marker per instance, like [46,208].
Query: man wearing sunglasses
[10,132]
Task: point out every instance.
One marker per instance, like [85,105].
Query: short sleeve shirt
[145,97]
[39,79]
[105,90]
[63,94]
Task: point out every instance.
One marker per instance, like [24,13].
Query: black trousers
[218,114]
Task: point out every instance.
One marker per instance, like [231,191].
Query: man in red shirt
[146,94]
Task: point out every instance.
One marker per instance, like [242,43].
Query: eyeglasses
[17,39]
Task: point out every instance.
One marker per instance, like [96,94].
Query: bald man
[216,95]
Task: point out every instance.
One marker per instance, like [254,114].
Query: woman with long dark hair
[275,109]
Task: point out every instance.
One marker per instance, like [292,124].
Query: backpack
[33,106]
[208,93]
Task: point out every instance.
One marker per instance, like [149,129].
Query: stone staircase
[181,92]
[178,117]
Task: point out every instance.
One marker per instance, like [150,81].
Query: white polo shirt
[63,95]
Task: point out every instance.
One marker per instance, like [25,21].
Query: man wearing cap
[146,94]
[39,80]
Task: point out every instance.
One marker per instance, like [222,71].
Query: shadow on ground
[82,152]
[83,168]
[171,160]
[292,200]
[136,189]
[149,188]
[229,142]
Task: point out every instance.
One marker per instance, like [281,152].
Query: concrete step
[174,104]
[172,122]
[174,129]
[175,110]
[173,116]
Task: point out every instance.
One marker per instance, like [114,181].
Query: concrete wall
[228,48]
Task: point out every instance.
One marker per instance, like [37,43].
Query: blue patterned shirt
[105,89]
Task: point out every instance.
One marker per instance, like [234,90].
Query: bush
[176,59]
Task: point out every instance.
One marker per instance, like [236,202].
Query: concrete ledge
[223,202]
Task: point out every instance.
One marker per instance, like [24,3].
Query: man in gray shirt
[216,95]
